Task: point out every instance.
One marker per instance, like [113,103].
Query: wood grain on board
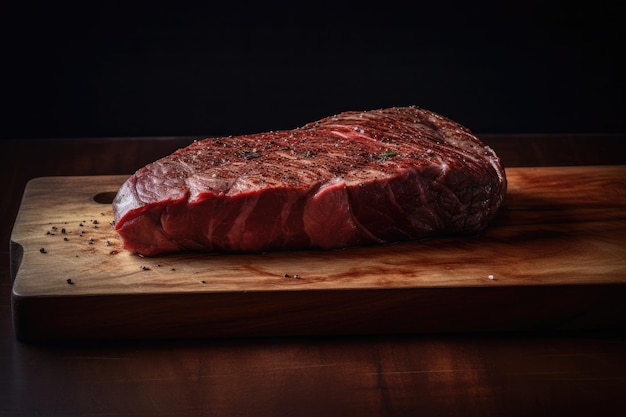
[554,259]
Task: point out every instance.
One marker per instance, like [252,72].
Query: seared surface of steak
[356,178]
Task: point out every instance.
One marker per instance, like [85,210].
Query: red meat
[356,178]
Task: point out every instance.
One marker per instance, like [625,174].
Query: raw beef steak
[356,178]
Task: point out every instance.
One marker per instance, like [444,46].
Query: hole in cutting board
[106,197]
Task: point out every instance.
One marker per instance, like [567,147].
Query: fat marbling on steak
[356,178]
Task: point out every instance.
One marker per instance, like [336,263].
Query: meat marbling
[356,178]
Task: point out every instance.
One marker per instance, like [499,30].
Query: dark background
[114,68]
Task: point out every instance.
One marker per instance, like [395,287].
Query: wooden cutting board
[555,258]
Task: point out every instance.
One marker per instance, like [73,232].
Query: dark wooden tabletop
[514,374]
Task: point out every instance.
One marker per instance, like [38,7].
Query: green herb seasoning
[386,155]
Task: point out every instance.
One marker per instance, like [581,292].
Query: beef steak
[356,178]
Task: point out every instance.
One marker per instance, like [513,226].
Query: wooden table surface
[513,374]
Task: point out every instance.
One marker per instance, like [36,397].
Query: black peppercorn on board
[554,259]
